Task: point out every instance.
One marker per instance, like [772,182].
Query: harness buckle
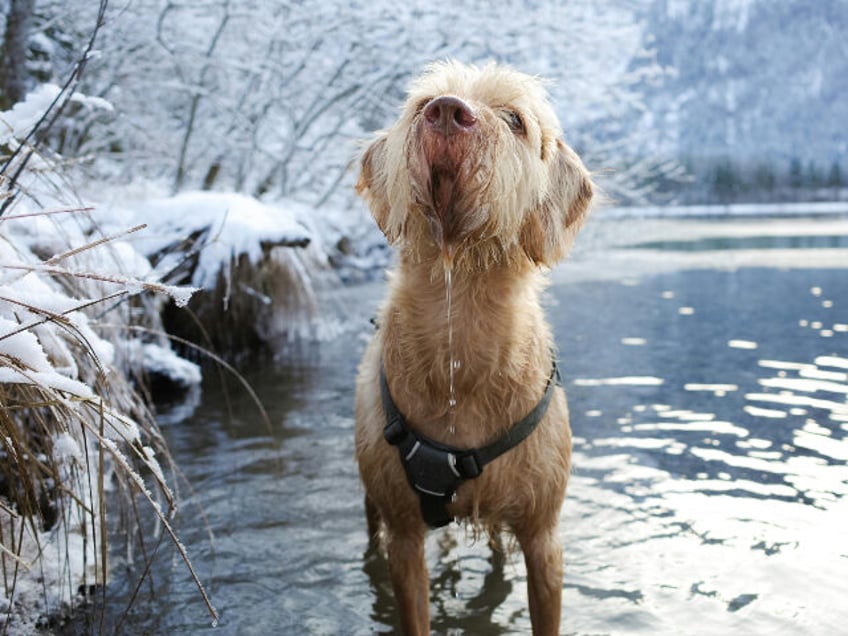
[469,465]
[432,470]
[394,432]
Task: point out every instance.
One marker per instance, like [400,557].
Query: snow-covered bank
[259,268]
[228,225]
[629,247]
[814,208]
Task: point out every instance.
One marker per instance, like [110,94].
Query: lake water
[707,378]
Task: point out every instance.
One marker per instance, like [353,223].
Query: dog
[475,188]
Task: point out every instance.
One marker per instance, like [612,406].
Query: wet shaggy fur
[473,185]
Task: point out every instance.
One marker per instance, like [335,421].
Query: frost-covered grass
[72,423]
[79,330]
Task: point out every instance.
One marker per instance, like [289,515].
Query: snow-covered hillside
[756,85]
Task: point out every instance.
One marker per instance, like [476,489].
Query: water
[708,496]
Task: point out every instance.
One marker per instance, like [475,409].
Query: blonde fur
[487,208]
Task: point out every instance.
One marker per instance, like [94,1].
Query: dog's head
[476,161]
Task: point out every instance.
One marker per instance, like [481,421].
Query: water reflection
[722,486]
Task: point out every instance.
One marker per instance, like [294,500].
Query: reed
[80,449]
[79,445]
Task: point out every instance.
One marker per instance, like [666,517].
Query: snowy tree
[13,51]
[834,177]
[271,98]
[748,87]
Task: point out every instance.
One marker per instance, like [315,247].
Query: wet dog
[475,188]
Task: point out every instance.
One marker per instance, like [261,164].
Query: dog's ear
[371,184]
[549,230]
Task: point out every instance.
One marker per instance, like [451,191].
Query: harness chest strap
[436,470]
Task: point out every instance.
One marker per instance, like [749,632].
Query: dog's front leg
[372,518]
[543,557]
[410,580]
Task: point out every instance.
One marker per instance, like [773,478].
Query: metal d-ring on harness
[436,470]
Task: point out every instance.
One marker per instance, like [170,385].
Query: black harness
[436,470]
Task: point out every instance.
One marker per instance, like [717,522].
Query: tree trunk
[13,71]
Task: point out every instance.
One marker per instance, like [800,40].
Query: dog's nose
[449,115]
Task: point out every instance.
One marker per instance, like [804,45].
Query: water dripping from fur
[453,364]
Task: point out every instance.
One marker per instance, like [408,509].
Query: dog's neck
[499,344]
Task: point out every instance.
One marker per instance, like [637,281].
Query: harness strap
[436,470]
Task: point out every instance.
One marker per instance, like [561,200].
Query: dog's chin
[453,226]
[453,212]
[441,209]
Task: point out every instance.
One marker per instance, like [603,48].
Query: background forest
[669,100]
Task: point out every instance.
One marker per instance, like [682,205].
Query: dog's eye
[514,121]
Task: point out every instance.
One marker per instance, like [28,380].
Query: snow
[106,251]
[48,380]
[49,333]
[21,348]
[43,587]
[288,242]
[65,448]
[238,225]
[19,121]
[732,14]
[92,103]
[161,360]
[16,124]
[26,300]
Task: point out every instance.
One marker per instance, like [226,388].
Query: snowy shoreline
[813,208]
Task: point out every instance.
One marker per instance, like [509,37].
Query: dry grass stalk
[71,427]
